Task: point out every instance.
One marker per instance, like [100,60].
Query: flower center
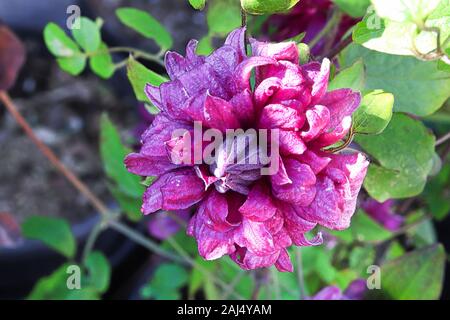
[237,163]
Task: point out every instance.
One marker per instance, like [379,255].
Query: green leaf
[205,46]
[414,276]
[405,10]
[267,6]
[131,206]
[54,232]
[102,64]
[99,271]
[371,27]
[54,287]
[436,193]
[113,153]
[73,65]
[147,26]
[139,76]
[402,159]
[374,114]
[58,42]
[166,282]
[88,35]
[353,77]
[418,86]
[198,4]
[363,229]
[223,16]
[399,28]
[354,8]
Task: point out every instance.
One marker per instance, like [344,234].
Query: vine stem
[194,264]
[136,52]
[50,155]
[144,241]
[335,19]
[443,139]
[339,47]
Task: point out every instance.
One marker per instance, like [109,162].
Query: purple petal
[302,190]
[174,190]
[341,104]
[258,206]
[219,114]
[279,51]
[162,225]
[255,237]
[236,39]
[319,75]
[318,118]
[284,263]
[281,117]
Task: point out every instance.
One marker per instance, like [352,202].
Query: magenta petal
[162,225]
[281,117]
[279,51]
[291,143]
[247,260]
[316,162]
[174,190]
[211,244]
[203,173]
[145,166]
[284,263]
[319,75]
[255,237]
[245,68]
[176,64]
[219,114]
[236,39]
[302,190]
[280,177]
[258,206]
[265,90]
[341,104]
[154,95]
[243,107]
[337,192]
[318,118]
[215,212]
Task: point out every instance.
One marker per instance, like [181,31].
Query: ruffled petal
[175,190]
[255,237]
[258,206]
[219,114]
[337,192]
[281,117]
[341,104]
[302,190]
[280,51]
[284,264]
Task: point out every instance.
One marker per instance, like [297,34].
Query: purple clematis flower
[383,214]
[253,218]
[354,291]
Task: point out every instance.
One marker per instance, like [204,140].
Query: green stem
[300,276]
[90,242]
[136,52]
[194,264]
[143,241]
[276,283]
